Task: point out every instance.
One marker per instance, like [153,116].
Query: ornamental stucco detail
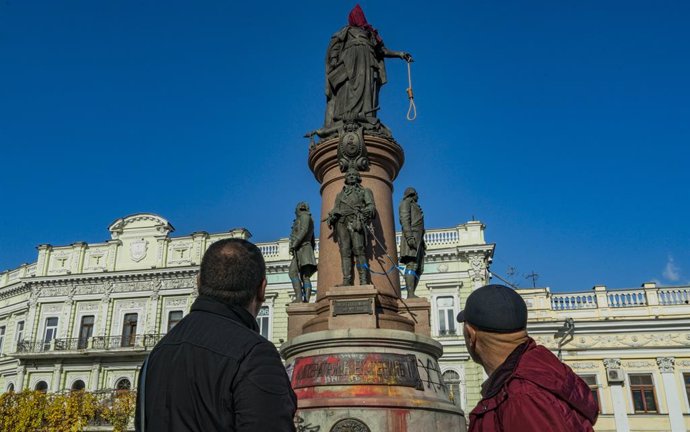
[583,365]
[122,287]
[612,363]
[639,364]
[177,301]
[478,269]
[138,249]
[185,282]
[620,341]
[666,364]
[87,307]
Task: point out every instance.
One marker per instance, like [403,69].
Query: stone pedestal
[358,307]
[360,358]
[370,380]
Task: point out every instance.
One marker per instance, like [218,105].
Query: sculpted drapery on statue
[412,246]
[353,211]
[355,72]
[302,244]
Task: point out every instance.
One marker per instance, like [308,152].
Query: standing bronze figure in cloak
[302,244]
[354,209]
[355,72]
[412,246]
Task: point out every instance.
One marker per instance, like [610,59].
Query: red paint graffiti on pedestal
[356,369]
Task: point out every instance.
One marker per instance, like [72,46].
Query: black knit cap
[495,309]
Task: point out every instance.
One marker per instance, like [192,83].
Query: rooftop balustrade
[649,300]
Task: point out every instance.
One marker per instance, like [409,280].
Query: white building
[86,315]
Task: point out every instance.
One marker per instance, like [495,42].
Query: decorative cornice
[441,255]
[134,275]
[13,290]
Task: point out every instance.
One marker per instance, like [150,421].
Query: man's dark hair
[232,271]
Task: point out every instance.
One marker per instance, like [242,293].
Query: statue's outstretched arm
[397,54]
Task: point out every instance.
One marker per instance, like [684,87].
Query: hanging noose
[412,110]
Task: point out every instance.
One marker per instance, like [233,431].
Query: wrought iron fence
[71,344]
[25,346]
[146,341]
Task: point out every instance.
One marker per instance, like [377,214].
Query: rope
[412,110]
[396,266]
[386,273]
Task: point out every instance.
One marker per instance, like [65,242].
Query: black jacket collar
[235,313]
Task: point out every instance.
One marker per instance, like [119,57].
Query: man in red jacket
[528,388]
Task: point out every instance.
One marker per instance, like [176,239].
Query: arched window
[10,388]
[123,384]
[41,386]
[452,380]
[78,385]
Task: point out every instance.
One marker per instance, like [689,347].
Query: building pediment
[140,225]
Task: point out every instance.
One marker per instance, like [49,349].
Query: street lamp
[566,333]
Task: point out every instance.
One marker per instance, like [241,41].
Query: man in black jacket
[213,371]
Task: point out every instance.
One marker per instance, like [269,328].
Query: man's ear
[261,294]
[471,332]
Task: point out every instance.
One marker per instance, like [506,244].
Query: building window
[686,378]
[446,315]
[642,389]
[452,381]
[85,331]
[129,330]
[10,388]
[591,381]
[78,385]
[173,318]
[123,384]
[50,332]
[41,386]
[263,320]
[19,333]
[2,337]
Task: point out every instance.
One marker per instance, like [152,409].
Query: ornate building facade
[86,315]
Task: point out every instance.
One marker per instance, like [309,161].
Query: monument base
[374,380]
[360,306]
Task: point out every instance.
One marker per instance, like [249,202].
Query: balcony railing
[627,298]
[674,296]
[117,342]
[573,301]
[96,343]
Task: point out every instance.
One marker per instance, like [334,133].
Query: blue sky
[563,126]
